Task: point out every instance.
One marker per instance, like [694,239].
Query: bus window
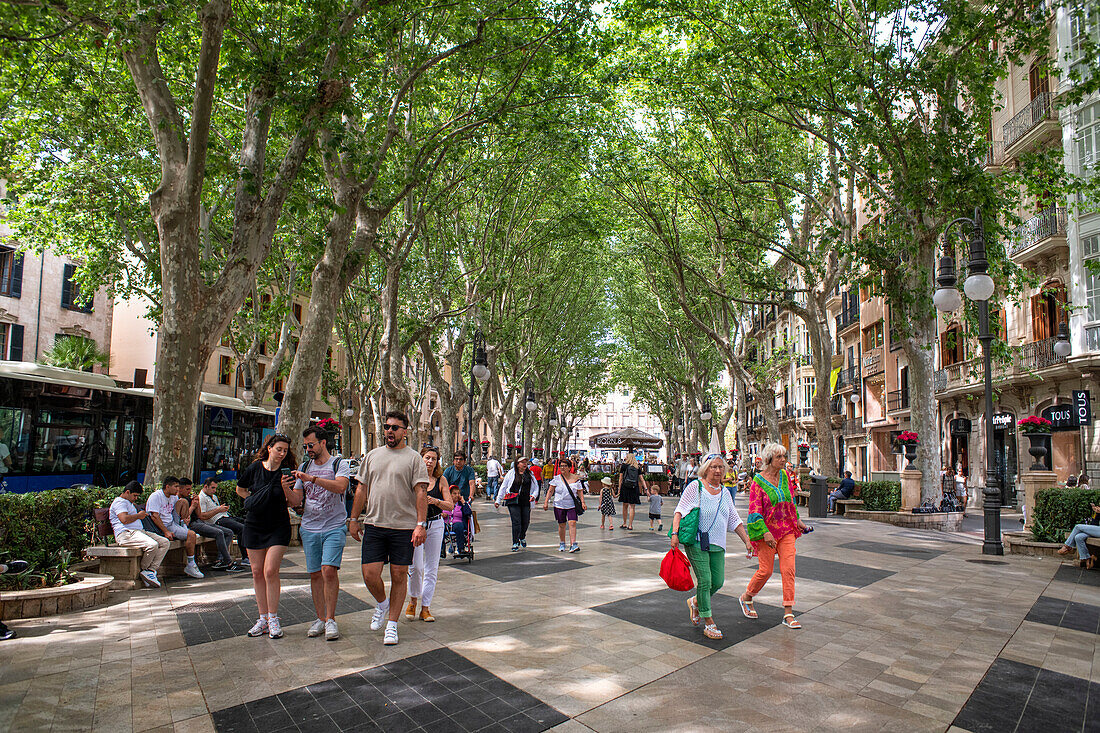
[63,442]
[15,439]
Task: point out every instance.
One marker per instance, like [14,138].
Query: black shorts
[654,516]
[382,544]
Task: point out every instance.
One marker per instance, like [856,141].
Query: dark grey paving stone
[1065,614]
[656,541]
[204,622]
[883,548]
[924,536]
[382,699]
[1013,696]
[666,611]
[521,565]
[1071,574]
[839,573]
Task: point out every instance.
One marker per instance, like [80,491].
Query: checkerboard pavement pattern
[902,631]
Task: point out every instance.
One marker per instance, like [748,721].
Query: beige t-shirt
[390,476]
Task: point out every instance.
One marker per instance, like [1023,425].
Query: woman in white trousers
[425,566]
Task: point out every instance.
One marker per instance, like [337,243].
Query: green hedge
[880,496]
[1057,510]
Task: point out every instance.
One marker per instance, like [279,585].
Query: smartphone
[286,471]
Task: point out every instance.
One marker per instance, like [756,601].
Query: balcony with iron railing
[1039,234]
[897,400]
[836,406]
[853,427]
[805,412]
[848,378]
[786,412]
[847,317]
[1037,121]
[1024,361]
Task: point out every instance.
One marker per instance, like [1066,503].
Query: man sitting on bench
[126,524]
[844,491]
[187,509]
[162,511]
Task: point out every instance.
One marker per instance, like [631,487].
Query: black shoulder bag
[576,502]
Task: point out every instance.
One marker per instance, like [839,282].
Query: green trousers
[710,573]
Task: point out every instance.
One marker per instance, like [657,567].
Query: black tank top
[435,512]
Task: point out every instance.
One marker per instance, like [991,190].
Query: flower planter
[803,454]
[89,590]
[1040,447]
[910,456]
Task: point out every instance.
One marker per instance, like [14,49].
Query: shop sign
[1004,421]
[1062,417]
[960,426]
[1082,407]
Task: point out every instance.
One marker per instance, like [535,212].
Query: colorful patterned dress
[771,509]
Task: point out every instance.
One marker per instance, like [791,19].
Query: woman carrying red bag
[717,516]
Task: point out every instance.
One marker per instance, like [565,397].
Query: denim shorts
[323,548]
[176,531]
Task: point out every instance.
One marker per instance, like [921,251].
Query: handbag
[704,537]
[688,533]
[676,570]
[576,503]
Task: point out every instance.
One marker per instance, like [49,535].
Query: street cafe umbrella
[626,439]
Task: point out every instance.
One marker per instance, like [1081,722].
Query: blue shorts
[323,548]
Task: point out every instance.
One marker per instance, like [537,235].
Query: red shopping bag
[676,570]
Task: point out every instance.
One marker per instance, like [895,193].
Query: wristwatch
[421,524]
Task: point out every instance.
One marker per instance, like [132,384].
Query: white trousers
[425,567]
[153,546]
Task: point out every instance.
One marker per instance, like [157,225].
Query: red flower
[908,436]
[1035,424]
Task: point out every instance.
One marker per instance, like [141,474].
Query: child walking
[608,497]
[655,504]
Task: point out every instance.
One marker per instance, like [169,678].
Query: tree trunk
[182,356]
[822,345]
[923,412]
[771,418]
[742,418]
[376,414]
[392,359]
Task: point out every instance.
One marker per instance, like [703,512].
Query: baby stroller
[450,540]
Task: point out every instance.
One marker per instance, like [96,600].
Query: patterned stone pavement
[903,630]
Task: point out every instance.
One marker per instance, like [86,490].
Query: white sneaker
[259,628]
[315,629]
[193,570]
[378,618]
[391,634]
[332,633]
[150,578]
[274,628]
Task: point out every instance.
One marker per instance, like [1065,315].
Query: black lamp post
[979,287]
[479,371]
[554,423]
[529,404]
[705,415]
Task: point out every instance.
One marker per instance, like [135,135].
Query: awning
[626,439]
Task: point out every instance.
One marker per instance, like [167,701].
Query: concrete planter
[942,521]
[90,590]
[1020,543]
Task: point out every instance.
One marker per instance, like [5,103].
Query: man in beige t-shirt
[393,487]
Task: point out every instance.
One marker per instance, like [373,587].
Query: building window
[1088,139]
[263,370]
[296,309]
[263,348]
[952,346]
[11,341]
[872,336]
[1048,309]
[11,272]
[225,370]
[70,292]
[1090,250]
[1084,31]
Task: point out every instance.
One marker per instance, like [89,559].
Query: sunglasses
[280,437]
[388,428]
[308,446]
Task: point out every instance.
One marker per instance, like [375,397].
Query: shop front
[1004,455]
[1064,457]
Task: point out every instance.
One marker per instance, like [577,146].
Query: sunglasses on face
[308,446]
[387,428]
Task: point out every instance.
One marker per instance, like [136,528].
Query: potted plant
[909,442]
[803,453]
[1037,430]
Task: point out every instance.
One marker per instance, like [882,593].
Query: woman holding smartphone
[267,487]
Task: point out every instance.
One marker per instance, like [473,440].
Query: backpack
[631,474]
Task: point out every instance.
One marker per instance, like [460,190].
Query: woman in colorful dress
[773,527]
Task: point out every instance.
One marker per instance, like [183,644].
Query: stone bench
[124,563]
[843,504]
[802,498]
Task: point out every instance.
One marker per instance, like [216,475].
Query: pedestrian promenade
[903,631]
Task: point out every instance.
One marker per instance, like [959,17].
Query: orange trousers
[784,547]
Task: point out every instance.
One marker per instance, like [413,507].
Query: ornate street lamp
[479,370]
[705,414]
[1062,346]
[247,394]
[554,422]
[979,287]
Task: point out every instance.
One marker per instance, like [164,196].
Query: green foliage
[42,525]
[1057,510]
[880,496]
[75,352]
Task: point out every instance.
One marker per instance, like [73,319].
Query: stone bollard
[1033,482]
[910,489]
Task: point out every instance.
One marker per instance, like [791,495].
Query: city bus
[62,427]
